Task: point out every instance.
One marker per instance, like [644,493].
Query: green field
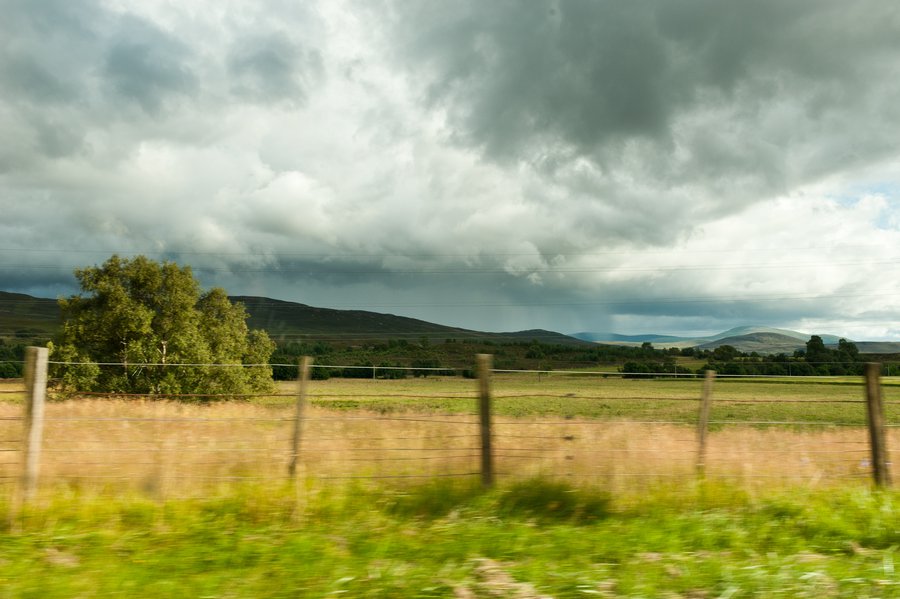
[535,539]
[595,396]
[774,517]
[582,428]
[824,401]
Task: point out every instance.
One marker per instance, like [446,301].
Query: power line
[276,305]
[544,252]
[545,270]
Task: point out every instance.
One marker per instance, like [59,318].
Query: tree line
[423,357]
[815,360]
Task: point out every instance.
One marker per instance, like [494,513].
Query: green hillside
[37,319]
[754,338]
[763,343]
[290,321]
[26,317]
[879,347]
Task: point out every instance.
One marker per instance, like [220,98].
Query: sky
[573,165]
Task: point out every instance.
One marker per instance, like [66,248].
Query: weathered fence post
[302,383]
[485,366]
[703,421]
[877,440]
[36,359]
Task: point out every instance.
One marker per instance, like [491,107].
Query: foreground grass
[534,539]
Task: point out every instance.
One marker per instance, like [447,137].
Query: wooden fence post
[485,366]
[877,439]
[703,421]
[36,359]
[302,383]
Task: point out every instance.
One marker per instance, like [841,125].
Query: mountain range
[761,339]
[286,321]
[26,317]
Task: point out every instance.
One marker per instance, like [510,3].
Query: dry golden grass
[169,449]
[621,455]
[165,448]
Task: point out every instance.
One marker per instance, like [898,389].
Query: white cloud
[531,172]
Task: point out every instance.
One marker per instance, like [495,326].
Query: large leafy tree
[141,326]
[816,351]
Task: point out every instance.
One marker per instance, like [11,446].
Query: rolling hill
[285,321]
[26,317]
[878,347]
[755,330]
[627,339]
[763,343]
[767,340]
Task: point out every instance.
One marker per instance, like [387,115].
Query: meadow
[585,429]
[597,495]
[836,401]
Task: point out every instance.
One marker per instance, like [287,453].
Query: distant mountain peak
[745,336]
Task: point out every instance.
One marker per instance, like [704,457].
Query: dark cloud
[24,77]
[49,49]
[70,70]
[536,73]
[146,66]
[272,68]
[497,165]
[687,92]
[55,136]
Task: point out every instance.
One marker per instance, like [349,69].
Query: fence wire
[171,444]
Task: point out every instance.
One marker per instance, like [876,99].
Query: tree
[725,353]
[847,351]
[136,319]
[816,351]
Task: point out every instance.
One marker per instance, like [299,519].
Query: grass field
[597,494]
[583,429]
[537,539]
[834,401]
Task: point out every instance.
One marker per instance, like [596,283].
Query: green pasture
[536,539]
[526,539]
[821,401]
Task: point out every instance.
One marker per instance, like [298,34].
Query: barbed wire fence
[176,448]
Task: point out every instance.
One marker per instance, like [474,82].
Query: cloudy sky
[575,165]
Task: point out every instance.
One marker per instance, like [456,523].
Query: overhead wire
[176,251]
[494,270]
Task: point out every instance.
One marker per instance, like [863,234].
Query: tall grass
[420,429]
[158,498]
[167,449]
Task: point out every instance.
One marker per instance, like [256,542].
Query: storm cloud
[700,98]
[571,164]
